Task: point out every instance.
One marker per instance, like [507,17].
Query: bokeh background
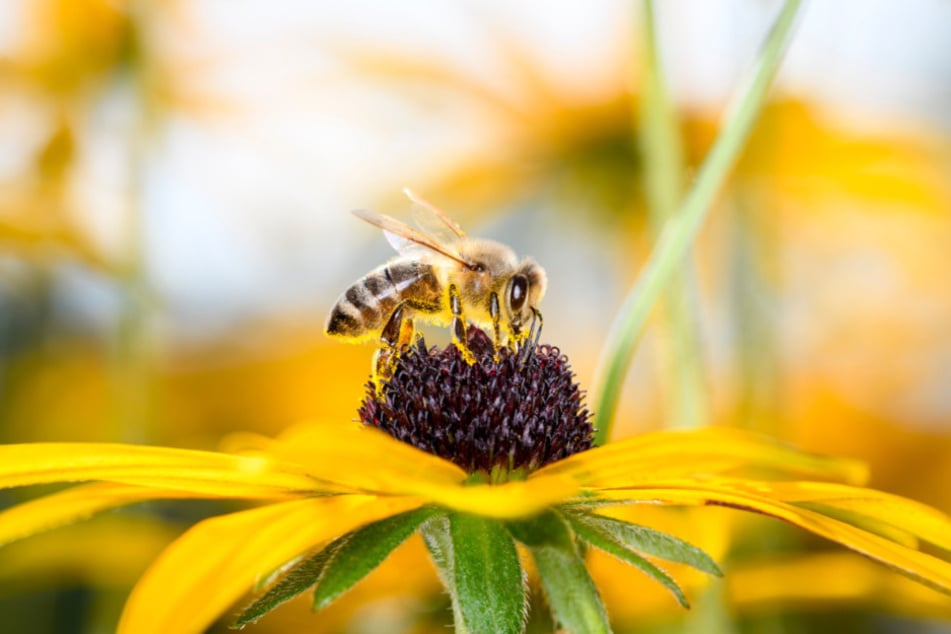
[175,185]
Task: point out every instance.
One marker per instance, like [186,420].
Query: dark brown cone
[521,411]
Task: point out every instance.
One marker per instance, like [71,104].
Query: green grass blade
[679,343]
[678,235]
[658,132]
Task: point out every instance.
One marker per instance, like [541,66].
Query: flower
[512,412]
[358,492]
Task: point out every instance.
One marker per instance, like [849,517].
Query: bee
[441,276]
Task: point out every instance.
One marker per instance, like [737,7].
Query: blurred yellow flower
[836,399]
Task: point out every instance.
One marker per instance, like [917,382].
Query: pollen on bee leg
[407,328]
[458,327]
[461,340]
[496,315]
[384,363]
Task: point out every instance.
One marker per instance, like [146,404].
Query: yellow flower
[318,482]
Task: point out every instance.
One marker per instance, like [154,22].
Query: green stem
[133,356]
[678,235]
[752,252]
[659,135]
[679,339]
[132,353]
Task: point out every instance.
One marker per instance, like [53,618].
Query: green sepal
[339,565]
[572,596]
[486,578]
[643,540]
[363,551]
[609,543]
[438,541]
[299,579]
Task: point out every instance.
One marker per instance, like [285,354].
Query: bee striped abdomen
[364,309]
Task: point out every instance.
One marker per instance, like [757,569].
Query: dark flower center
[514,411]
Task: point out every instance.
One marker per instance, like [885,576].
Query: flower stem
[661,146]
[753,248]
[133,346]
[677,237]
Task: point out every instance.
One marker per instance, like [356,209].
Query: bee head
[524,293]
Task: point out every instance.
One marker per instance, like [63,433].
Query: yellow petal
[900,513]
[927,569]
[503,501]
[673,454]
[204,472]
[352,454]
[217,561]
[72,505]
[371,461]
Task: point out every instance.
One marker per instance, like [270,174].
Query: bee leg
[395,334]
[515,335]
[408,333]
[384,360]
[537,332]
[532,336]
[521,337]
[459,336]
[495,314]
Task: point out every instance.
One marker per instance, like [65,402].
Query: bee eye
[478,267]
[518,292]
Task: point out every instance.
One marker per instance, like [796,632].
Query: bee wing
[433,220]
[404,238]
[402,245]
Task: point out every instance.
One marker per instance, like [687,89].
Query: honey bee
[441,276]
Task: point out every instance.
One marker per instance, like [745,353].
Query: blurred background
[175,187]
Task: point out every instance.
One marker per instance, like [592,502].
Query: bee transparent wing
[402,245]
[433,220]
[404,238]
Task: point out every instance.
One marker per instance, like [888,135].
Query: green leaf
[574,600]
[300,578]
[644,540]
[487,577]
[363,551]
[607,542]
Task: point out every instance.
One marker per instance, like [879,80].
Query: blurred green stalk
[133,355]
[680,230]
[679,342]
[753,248]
